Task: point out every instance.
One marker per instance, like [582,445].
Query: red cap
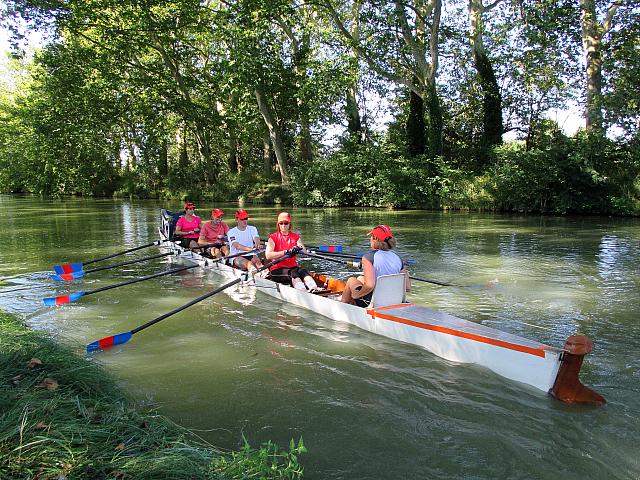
[217,213]
[189,205]
[242,215]
[382,233]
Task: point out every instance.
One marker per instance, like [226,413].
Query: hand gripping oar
[121,338]
[72,297]
[82,273]
[72,267]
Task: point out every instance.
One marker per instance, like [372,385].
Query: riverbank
[62,416]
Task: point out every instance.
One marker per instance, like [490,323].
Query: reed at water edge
[63,417]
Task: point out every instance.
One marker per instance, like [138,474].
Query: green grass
[82,426]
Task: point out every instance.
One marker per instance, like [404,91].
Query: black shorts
[285,275]
[364,301]
[185,242]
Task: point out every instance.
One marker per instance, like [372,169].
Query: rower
[188,226]
[378,262]
[244,238]
[285,242]
[214,232]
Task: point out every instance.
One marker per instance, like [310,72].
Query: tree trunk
[592,44]
[416,138]
[183,159]
[267,154]
[163,159]
[274,134]
[232,140]
[491,98]
[232,158]
[435,125]
[306,151]
[354,124]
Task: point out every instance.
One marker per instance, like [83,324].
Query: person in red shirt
[188,226]
[215,232]
[282,243]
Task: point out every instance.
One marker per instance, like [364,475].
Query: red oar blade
[108,342]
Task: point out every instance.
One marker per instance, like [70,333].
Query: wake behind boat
[550,369]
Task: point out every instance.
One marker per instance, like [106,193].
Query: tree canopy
[277,100]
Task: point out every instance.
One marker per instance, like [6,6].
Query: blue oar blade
[62,299]
[66,277]
[108,342]
[67,268]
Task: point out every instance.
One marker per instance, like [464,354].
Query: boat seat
[389,290]
[169,220]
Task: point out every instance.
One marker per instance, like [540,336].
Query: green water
[367,407]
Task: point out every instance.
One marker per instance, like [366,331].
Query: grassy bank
[63,417]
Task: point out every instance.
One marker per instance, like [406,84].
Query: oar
[72,267]
[62,299]
[121,338]
[329,259]
[358,265]
[72,297]
[82,273]
[206,245]
[437,283]
[326,248]
[357,255]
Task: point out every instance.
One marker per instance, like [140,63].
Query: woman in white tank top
[379,261]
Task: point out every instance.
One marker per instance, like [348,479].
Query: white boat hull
[444,335]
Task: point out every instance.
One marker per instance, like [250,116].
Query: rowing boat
[550,369]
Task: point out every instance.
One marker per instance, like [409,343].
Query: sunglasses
[284,223]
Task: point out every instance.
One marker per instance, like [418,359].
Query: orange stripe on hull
[538,352]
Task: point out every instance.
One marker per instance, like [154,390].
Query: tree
[491,96]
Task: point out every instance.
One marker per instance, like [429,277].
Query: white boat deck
[428,319]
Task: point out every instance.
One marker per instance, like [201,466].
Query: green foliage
[374,174]
[268,462]
[82,426]
[584,174]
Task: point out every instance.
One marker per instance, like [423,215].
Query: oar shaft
[340,255]
[435,282]
[335,260]
[355,256]
[121,338]
[157,242]
[205,296]
[140,279]
[130,262]
[187,305]
[199,247]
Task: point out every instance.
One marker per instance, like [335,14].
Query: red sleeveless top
[284,242]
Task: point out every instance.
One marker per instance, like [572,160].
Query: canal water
[367,407]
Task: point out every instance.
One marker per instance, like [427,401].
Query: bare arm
[270,252]
[369,280]
[408,280]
